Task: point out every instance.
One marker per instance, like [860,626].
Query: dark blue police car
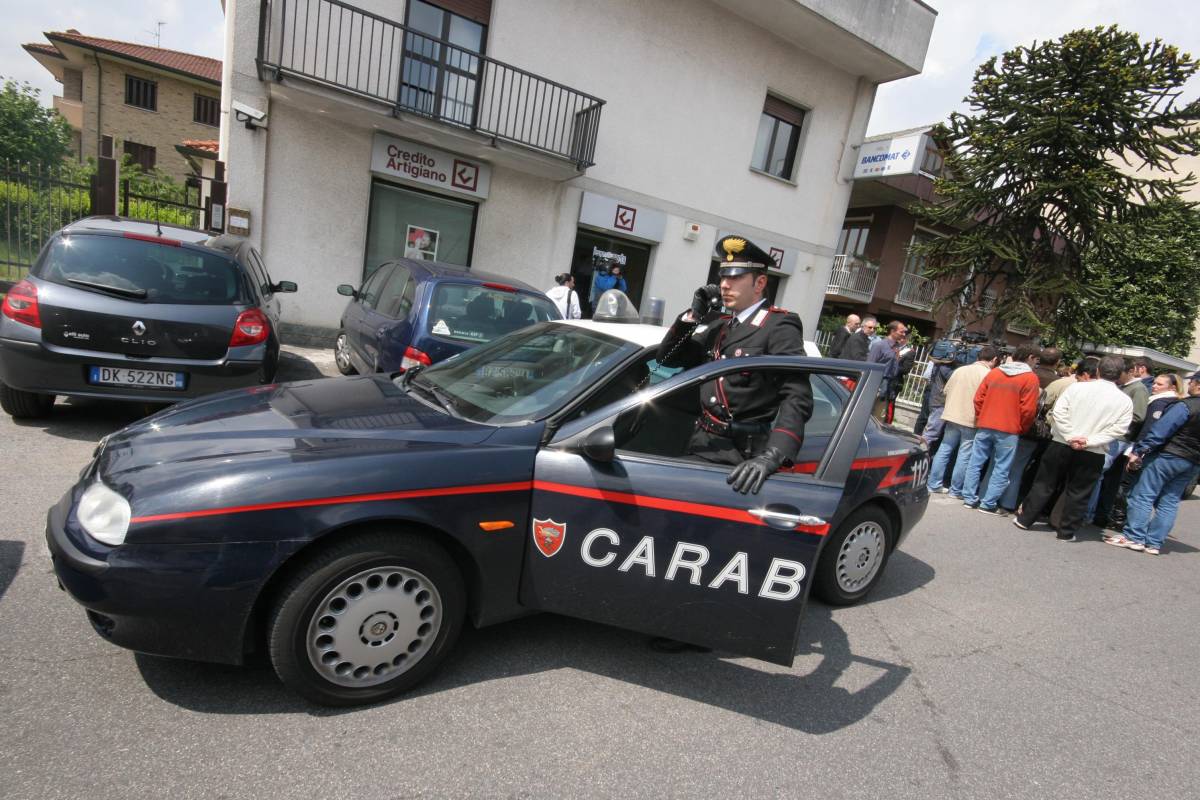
[347,527]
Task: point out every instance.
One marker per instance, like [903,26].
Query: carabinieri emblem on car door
[549,536]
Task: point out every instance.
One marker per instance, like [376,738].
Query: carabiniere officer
[753,420]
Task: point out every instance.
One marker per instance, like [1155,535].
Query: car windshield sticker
[441,327]
[549,536]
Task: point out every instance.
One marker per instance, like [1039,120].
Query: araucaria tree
[1065,140]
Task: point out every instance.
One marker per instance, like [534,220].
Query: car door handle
[784,520]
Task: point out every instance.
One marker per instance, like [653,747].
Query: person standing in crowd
[858,344]
[958,417]
[843,334]
[1143,371]
[1085,419]
[563,295]
[1006,404]
[886,351]
[607,277]
[1105,493]
[1046,367]
[1170,459]
[941,367]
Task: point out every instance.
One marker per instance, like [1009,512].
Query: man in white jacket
[1085,419]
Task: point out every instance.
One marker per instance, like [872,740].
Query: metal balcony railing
[852,277]
[916,291]
[346,48]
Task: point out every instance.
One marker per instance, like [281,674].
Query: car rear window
[141,270]
[469,312]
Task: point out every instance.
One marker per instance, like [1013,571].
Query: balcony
[71,111]
[852,278]
[916,291]
[1018,328]
[347,49]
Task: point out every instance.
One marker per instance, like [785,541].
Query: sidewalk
[304,363]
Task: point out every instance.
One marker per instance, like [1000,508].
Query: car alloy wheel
[366,618]
[341,355]
[852,559]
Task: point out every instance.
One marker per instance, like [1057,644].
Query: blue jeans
[989,444]
[1011,497]
[958,438]
[934,425]
[1157,495]
[1115,449]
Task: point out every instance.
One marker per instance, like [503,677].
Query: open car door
[628,530]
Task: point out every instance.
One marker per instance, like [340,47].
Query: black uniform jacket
[784,400]
[856,347]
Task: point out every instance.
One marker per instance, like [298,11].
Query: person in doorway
[1169,457]
[858,344]
[756,424]
[563,295]
[1085,420]
[843,334]
[612,279]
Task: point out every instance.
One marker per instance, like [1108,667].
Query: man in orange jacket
[1005,406]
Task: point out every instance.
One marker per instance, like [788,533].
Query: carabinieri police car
[347,527]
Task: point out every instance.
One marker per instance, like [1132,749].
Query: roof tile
[203,67]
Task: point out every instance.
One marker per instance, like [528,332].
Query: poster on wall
[421,243]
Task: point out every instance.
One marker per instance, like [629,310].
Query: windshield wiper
[104,287]
[443,399]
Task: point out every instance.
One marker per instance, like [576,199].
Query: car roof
[644,335]
[112,224]
[436,270]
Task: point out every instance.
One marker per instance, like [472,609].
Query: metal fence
[35,201]
[346,48]
[182,205]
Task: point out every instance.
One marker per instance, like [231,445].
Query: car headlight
[104,514]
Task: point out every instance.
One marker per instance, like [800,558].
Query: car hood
[290,422]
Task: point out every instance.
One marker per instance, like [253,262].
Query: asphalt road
[991,663]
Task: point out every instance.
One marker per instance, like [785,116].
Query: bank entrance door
[596,253]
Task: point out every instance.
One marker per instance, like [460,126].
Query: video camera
[958,351]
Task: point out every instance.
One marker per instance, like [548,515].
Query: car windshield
[141,270]
[521,377]
[472,312]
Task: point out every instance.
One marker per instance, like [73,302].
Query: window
[438,79]
[207,110]
[778,136]
[142,154]
[258,271]
[914,264]
[392,299]
[853,239]
[404,223]
[141,93]
[474,313]
[370,291]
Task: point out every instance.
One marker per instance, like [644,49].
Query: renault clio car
[411,313]
[348,527]
[127,310]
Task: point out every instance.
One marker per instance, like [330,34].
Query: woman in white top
[564,296]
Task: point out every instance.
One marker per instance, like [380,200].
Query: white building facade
[529,138]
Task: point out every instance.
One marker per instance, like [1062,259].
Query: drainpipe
[99,105]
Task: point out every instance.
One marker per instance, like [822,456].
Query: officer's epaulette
[778,310]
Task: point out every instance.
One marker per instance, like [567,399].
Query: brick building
[148,99]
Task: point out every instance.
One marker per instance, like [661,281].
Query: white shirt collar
[745,315]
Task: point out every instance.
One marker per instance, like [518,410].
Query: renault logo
[139,328]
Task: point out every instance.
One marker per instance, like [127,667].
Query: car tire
[366,619]
[853,558]
[341,355]
[25,405]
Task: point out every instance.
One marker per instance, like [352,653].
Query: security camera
[249,115]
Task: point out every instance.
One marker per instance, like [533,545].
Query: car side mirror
[600,444]
[284,286]
[347,290]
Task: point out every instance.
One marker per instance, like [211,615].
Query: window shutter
[475,10]
[784,111]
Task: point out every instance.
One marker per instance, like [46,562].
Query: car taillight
[21,304]
[252,327]
[504,287]
[414,358]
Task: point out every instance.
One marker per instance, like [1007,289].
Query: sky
[966,33]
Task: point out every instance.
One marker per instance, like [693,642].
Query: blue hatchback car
[419,312]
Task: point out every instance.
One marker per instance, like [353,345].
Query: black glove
[749,475]
[705,300]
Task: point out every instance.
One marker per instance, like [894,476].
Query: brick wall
[161,129]
[72,84]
